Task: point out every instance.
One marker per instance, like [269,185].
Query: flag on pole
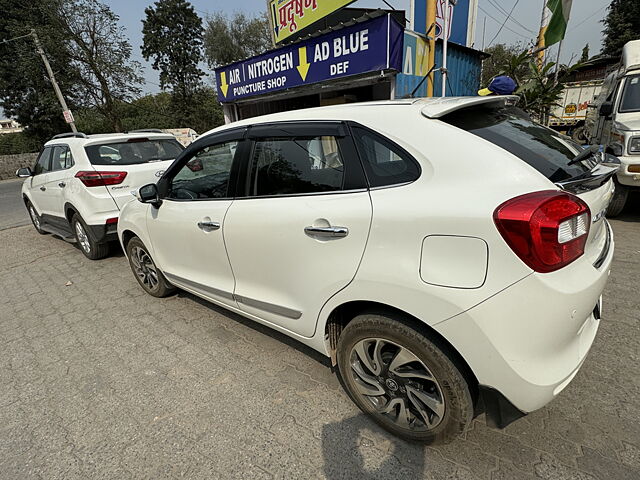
[554,31]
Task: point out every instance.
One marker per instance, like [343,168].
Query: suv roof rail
[146,130]
[70,135]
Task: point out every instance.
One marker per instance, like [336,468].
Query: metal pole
[484,27]
[555,76]
[431,42]
[56,88]
[543,28]
[445,41]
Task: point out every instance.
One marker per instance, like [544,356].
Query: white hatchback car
[449,255]
[80,183]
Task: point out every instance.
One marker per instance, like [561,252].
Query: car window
[510,128]
[43,164]
[288,166]
[206,174]
[631,95]
[384,162]
[134,151]
[61,158]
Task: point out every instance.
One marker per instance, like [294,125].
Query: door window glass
[61,158]
[206,174]
[288,166]
[384,162]
[43,164]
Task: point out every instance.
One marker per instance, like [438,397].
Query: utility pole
[431,42]
[445,41]
[56,88]
[544,22]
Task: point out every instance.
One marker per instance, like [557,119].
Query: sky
[584,23]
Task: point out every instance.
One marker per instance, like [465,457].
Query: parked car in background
[615,123]
[80,183]
[447,254]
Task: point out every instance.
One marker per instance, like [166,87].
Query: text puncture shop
[354,63]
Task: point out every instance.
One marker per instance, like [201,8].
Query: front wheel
[35,219]
[147,274]
[403,380]
[91,249]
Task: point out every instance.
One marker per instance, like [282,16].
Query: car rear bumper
[529,341]
[103,233]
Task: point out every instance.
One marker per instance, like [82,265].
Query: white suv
[80,183]
[449,255]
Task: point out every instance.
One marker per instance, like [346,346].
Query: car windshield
[133,152]
[631,95]
[510,128]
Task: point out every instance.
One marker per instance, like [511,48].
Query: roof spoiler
[440,107]
[69,135]
[146,130]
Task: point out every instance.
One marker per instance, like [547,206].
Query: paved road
[99,380]
[12,211]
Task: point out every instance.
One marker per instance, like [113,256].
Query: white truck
[570,113]
[615,123]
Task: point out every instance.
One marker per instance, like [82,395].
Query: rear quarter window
[511,129]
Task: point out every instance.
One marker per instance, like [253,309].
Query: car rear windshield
[631,95]
[133,152]
[510,128]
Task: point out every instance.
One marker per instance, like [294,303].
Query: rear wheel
[147,274]
[404,381]
[618,201]
[91,249]
[35,219]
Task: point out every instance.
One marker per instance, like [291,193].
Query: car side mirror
[24,172]
[606,109]
[149,194]
[615,149]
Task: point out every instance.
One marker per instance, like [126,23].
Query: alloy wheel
[83,239]
[34,217]
[144,267]
[397,384]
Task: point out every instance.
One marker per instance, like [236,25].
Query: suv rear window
[510,128]
[133,152]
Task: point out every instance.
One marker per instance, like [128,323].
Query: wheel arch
[126,237]
[70,211]
[344,313]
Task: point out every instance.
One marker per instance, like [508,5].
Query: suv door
[37,183]
[297,235]
[186,231]
[57,180]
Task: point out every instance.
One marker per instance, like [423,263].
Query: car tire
[35,218]
[418,393]
[579,135]
[89,247]
[144,269]
[618,201]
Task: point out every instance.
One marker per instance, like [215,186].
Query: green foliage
[100,53]
[14,143]
[621,25]
[25,91]
[501,62]
[585,54]
[227,40]
[172,37]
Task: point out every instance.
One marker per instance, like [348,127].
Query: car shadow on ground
[631,212]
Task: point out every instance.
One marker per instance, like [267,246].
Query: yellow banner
[290,16]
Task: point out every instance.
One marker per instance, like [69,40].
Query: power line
[498,22]
[505,21]
[589,17]
[504,12]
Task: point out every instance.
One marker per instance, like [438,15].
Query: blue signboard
[364,47]
[461,17]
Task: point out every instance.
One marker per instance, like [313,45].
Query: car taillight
[547,229]
[99,179]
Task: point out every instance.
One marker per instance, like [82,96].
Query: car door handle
[327,232]
[62,184]
[43,188]
[208,226]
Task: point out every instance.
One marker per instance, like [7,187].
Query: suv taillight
[99,179]
[547,230]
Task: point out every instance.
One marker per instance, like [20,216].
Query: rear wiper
[586,153]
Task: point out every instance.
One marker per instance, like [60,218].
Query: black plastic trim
[306,128]
[499,411]
[103,233]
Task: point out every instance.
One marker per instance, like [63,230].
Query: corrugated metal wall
[464,66]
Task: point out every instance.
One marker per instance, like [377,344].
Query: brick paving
[99,380]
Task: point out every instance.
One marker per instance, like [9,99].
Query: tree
[621,25]
[501,62]
[227,40]
[100,53]
[172,36]
[584,57]
[26,93]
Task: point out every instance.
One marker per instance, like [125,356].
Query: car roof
[107,138]
[435,107]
